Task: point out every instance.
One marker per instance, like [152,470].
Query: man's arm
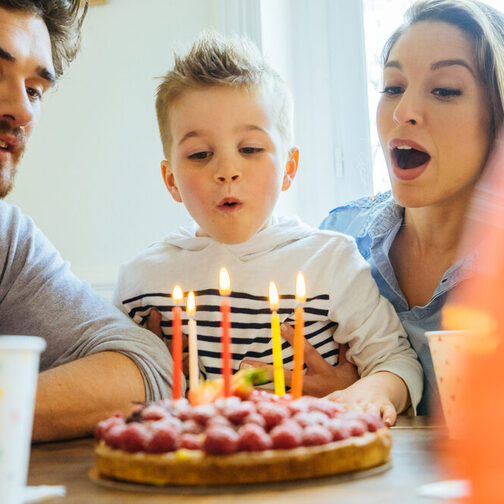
[97,360]
[73,397]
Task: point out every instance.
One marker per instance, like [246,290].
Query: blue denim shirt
[374,223]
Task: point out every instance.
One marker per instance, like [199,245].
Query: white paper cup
[449,350]
[19,363]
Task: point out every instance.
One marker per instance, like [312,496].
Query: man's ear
[169,181]
[290,168]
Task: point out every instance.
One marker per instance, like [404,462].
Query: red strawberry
[356,427]
[272,413]
[316,435]
[255,418]
[105,425]
[192,427]
[163,438]
[190,441]
[153,412]
[338,429]
[220,440]
[219,420]
[113,435]
[311,418]
[287,435]
[203,413]
[134,437]
[236,414]
[252,437]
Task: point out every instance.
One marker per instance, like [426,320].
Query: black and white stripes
[250,321]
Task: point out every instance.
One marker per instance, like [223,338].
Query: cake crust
[194,467]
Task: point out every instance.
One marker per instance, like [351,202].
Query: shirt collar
[389,215]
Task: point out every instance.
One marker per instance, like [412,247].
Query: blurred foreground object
[449,349]
[478,306]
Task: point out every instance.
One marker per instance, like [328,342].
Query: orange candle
[177,297]
[297,372]
[225,309]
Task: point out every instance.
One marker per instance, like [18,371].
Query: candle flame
[300,288]
[191,303]
[273,296]
[177,293]
[224,282]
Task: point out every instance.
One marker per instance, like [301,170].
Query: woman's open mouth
[409,159]
[406,157]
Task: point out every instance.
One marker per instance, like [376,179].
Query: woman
[442,105]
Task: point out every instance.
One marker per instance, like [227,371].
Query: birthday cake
[257,437]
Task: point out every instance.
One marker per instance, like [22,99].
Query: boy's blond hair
[215,60]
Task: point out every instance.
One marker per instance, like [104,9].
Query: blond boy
[225,119]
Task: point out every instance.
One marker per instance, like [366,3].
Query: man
[97,361]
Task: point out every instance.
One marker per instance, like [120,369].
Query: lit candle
[193,342]
[177,297]
[278,372]
[225,308]
[297,372]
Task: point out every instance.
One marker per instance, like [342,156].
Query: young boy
[225,119]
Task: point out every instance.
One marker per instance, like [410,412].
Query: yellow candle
[297,372]
[193,342]
[278,372]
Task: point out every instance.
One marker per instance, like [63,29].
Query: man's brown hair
[63,23]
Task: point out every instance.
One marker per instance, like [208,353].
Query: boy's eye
[251,150]
[392,90]
[34,94]
[446,92]
[200,155]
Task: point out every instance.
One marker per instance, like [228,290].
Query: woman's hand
[320,378]
[371,393]
[154,325]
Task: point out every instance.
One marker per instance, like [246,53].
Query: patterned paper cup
[19,363]
[449,350]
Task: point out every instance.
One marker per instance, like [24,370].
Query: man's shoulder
[16,228]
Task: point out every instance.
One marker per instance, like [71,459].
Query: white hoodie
[343,303]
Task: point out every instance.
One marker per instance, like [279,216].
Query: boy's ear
[290,168]
[169,181]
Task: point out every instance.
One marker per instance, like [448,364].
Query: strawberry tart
[253,439]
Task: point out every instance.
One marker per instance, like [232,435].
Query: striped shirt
[343,304]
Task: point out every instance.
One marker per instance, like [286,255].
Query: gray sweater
[40,296]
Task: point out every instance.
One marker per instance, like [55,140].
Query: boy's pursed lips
[229,204]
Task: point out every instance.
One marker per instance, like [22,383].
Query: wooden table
[67,463]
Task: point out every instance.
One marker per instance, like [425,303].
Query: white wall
[91,178]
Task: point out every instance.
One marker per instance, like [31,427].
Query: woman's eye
[200,155]
[251,150]
[392,90]
[34,94]
[446,92]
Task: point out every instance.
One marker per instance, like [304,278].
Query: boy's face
[227,162]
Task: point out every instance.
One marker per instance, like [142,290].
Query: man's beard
[8,169]
[7,174]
